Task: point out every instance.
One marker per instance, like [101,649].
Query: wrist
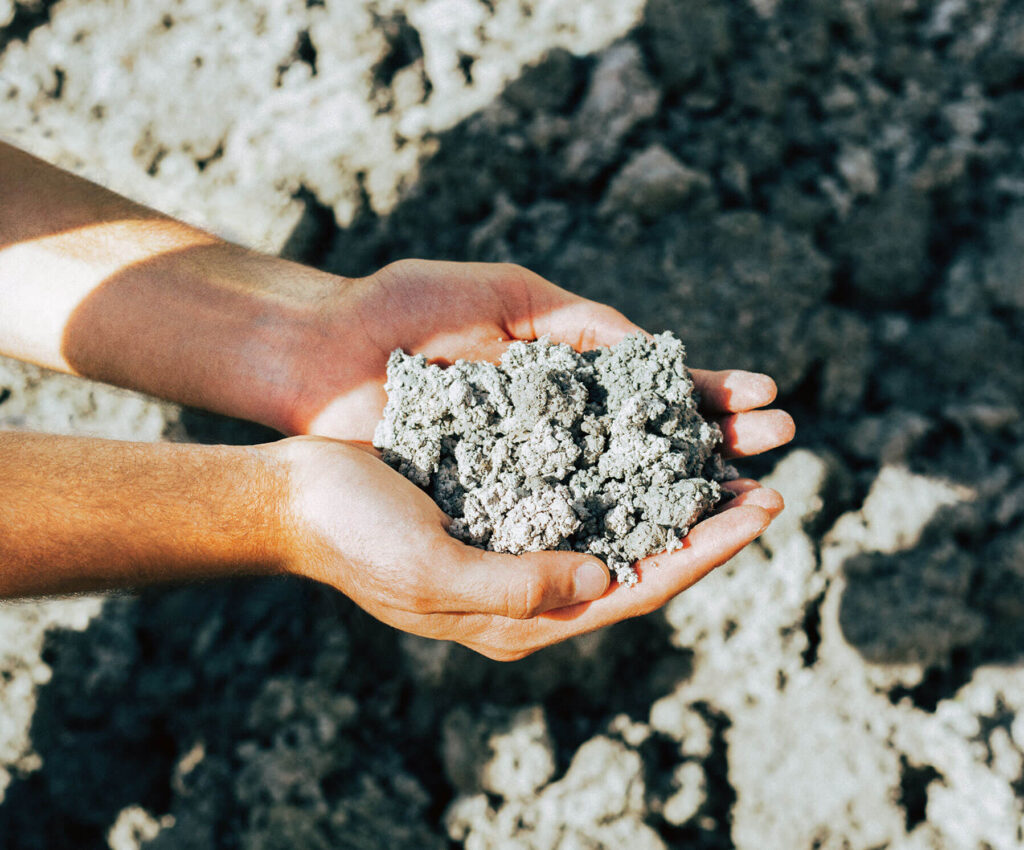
[259,327]
[211,325]
[255,525]
[292,469]
[284,345]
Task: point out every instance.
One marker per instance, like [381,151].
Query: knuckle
[514,269]
[525,598]
[396,270]
[502,654]
[418,597]
[419,604]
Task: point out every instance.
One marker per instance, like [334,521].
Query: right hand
[354,523]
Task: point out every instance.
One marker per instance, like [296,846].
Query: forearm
[95,285]
[83,514]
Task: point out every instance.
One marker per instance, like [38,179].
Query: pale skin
[94,285]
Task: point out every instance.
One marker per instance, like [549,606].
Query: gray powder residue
[601,451]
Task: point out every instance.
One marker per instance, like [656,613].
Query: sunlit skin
[94,285]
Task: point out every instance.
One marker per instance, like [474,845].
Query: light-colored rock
[598,803]
[652,183]
[679,720]
[898,507]
[810,741]
[134,827]
[40,400]
[508,753]
[23,628]
[621,95]
[969,742]
[244,106]
[691,782]
[857,167]
[523,758]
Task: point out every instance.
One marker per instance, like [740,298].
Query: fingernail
[591,581]
[781,507]
[766,520]
[766,387]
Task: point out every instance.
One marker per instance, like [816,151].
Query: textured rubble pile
[601,451]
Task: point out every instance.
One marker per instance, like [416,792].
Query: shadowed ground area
[831,193]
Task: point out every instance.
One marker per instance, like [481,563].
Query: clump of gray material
[601,451]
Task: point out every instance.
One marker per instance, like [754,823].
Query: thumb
[523,586]
[585,324]
[546,309]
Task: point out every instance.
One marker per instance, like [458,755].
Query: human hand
[255,336]
[386,546]
[448,311]
[354,523]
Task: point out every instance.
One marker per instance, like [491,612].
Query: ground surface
[832,192]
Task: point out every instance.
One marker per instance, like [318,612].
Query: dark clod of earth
[602,451]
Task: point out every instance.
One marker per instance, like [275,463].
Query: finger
[369,448]
[740,485]
[523,586]
[586,325]
[762,497]
[756,431]
[663,576]
[733,390]
[568,318]
[710,544]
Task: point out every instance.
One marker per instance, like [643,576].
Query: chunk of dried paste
[602,451]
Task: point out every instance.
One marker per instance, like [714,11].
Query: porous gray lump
[601,451]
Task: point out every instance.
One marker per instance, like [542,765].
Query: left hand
[448,311]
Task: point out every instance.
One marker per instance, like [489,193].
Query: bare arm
[82,514]
[95,285]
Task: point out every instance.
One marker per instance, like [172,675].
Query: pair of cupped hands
[383,542]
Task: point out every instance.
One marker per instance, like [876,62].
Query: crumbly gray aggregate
[602,451]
